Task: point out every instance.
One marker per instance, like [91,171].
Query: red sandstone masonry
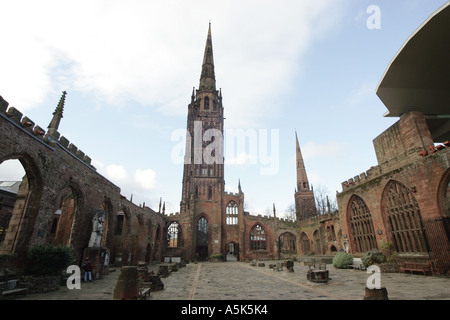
[54,170]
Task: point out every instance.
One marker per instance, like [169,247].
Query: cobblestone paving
[241,281]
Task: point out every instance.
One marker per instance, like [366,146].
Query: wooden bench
[144,292]
[9,288]
[417,266]
[318,266]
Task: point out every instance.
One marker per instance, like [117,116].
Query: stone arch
[232,213]
[443,195]
[305,243]
[339,239]
[158,242]
[403,220]
[149,248]
[359,220]
[65,213]
[287,242]
[317,242]
[258,237]
[174,235]
[202,235]
[141,239]
[124,253]
[438,228]
[22,223]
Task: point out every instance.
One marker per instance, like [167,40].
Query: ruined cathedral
[403,200]
[212,223]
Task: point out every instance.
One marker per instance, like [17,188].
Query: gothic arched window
[232,213]
[258,238]
[361,225]
[209,192]
[206,106]
[402,214]
[202,239]
[305,243]
[173,235]
[287,242]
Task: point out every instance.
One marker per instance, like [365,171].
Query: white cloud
[138,184]
[151,51]
[117,173]
[145,178]
[11,170]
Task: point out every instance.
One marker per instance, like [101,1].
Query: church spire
[58,114]
[302,178]
[207,78]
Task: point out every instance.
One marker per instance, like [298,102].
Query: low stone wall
[41,284]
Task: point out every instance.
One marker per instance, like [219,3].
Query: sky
[129,68]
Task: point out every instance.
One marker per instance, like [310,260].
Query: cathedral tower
[203,176]
[305,205]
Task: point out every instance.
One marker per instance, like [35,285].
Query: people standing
[87,266]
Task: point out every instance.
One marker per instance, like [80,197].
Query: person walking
[87,266]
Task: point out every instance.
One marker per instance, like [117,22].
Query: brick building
[61,192]
[213,223]
[404,199]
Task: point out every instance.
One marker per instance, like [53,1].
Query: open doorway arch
[26,207]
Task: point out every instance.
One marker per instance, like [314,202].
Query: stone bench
[318,266]
[417,266]
[144,292]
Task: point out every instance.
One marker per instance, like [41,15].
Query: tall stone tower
[203,176]
[305,205]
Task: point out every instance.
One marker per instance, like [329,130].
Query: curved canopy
[418,78]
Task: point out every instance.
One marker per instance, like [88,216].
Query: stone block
[163,271]
[80,154]
[156,283]
[72,148]
[53,133]
[87,160]
[3,105]
[127,284]
[27,124]
[376,294]
[64,142]
[14,114]
[38,131]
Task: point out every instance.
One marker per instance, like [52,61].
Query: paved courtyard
[241,281]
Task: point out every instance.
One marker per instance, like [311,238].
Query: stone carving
[97,228]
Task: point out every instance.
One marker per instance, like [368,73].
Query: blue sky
[129,68]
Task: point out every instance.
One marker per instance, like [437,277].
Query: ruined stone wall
[51,166]
[409,133]
[410,160]
[186,248]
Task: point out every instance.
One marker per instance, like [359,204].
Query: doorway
[232,252]
[202,240]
